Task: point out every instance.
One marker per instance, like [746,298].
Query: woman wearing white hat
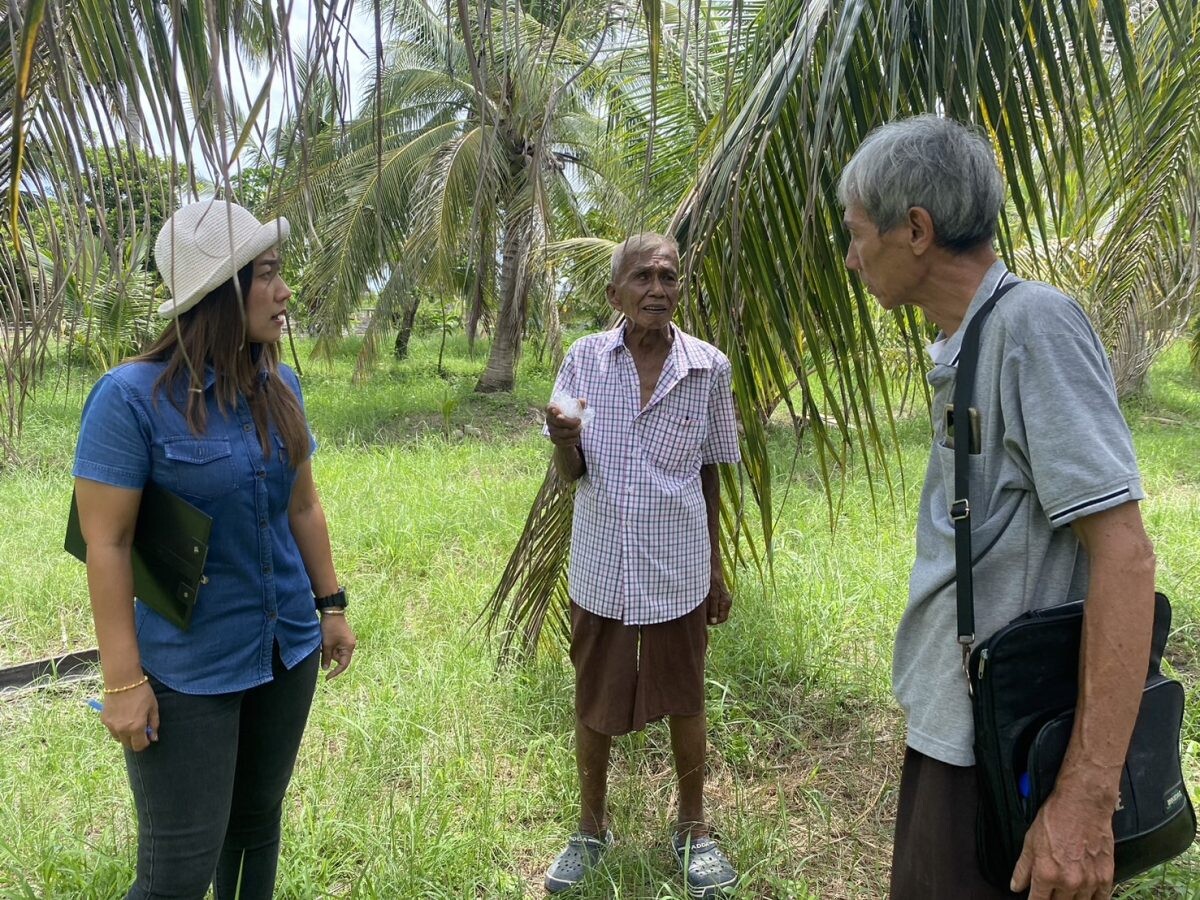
[211,717]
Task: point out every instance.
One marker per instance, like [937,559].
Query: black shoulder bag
[1024,685]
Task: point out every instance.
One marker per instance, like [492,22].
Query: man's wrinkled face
[646,289]
[884,261]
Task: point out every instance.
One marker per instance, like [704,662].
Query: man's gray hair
[640,242]
[940,165]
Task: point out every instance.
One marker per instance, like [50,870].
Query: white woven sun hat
[204,244]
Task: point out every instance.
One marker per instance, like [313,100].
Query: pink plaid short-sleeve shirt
[639,540]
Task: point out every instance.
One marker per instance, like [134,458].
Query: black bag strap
[960,509]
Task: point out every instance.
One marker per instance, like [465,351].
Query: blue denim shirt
[257,591]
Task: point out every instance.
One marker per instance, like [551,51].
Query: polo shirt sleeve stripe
[1096,504]
[1062,418]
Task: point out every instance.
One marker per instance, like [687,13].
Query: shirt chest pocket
[199,467]
[672,441]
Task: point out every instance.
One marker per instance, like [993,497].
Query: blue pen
[99,707]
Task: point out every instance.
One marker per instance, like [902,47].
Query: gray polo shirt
[1055,447]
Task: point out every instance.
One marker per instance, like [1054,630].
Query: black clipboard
[170,546]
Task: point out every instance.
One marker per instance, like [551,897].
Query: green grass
[424,773]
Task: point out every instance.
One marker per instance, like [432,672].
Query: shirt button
[262,523]
[259,473]
[271,616]
[266,570]
[247,427]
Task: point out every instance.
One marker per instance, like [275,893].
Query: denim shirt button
[259,473]
[262,523]
[266,570]
[247,427]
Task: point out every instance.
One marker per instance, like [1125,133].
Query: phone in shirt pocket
[974,442]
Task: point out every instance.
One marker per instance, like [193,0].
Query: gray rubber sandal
[708,870]
[580,855]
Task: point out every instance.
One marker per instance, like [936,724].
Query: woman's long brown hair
[212,333]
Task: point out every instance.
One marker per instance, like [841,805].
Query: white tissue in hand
[572,408]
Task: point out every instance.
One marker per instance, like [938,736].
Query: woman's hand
[337,645]
[131,717]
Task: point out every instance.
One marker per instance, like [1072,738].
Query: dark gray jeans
[209,792]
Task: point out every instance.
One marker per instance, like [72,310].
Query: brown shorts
[628,675]
[934,856]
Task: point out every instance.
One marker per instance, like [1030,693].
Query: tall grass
[426,774]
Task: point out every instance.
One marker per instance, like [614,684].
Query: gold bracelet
[128,687]
[332,612]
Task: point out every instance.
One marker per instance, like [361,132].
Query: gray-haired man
[922,198]
[645,576]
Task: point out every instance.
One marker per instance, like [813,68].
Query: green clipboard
[170,546]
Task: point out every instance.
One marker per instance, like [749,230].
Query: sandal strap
[593,841]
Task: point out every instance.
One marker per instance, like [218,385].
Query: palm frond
[534,577]
[1061,88]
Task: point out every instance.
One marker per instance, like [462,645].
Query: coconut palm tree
[470,153]
[123,88]
[1131,251]
[1093,109]
[142,86]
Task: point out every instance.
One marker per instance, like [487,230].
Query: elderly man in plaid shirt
[645,576]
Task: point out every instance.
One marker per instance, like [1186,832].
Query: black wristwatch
[333,601]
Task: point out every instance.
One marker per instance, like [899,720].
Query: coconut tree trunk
[408,315]
[484,273]
[500,374]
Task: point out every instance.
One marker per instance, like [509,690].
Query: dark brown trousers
[934,855]
[629,675]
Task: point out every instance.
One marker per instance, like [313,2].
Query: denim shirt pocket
[198,467]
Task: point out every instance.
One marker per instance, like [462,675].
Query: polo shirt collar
[950,346]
